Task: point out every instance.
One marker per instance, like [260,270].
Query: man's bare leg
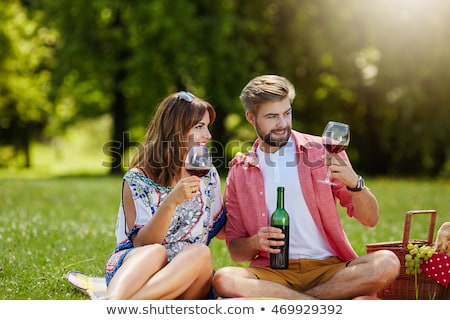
[232,282]
[364,276]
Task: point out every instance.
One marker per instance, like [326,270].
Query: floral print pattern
[193,221]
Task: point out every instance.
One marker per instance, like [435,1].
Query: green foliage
[381,66]
[24,65]
[25,62]
[49,226]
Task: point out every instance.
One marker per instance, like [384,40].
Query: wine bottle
[280,219]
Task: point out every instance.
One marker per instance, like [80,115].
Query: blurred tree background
[383,66]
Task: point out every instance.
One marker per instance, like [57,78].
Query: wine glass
[335,138]
[198,160]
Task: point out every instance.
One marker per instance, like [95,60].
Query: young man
[322,263]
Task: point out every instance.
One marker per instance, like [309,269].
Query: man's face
[273,124]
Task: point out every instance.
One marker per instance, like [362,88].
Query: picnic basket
[404,287]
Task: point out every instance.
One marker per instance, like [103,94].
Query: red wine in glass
[197,172]
[334,148]
[198,161]
[335,138]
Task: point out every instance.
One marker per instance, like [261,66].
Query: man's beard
[267,139]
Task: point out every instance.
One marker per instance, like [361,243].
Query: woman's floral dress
[195,220]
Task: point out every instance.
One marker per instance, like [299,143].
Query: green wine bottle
[280,219]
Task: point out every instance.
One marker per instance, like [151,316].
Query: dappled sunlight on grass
[48,226]
[51,225]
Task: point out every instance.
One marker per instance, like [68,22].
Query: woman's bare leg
[187,276]
[139,265]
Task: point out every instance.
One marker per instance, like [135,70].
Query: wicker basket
[404,288]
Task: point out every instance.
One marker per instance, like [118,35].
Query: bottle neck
[280,198]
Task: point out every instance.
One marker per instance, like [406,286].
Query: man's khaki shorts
[302,274]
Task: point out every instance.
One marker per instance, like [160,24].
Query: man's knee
[224,280]
[223,275]
[391,262]
[388,267]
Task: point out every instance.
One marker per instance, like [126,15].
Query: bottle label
[281,260]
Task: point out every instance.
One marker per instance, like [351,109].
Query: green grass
[49,226]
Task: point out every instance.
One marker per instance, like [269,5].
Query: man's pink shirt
[245,199]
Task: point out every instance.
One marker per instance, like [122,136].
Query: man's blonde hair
[266,88]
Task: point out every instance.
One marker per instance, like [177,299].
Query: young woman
[167,217]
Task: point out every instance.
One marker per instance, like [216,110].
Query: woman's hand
[249,157]
[155,230]
[185,189]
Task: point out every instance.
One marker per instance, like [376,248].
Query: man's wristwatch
[359,186]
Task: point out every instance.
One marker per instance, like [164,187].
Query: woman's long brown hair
[162,154]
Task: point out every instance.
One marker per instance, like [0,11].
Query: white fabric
[280,170]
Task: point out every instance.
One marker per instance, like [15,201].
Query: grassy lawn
[49,226]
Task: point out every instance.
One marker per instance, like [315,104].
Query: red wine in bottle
[280,219]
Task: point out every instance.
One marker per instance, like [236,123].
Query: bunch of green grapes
[416,255]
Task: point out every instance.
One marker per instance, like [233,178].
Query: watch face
[360,183]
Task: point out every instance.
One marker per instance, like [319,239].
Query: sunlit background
[80,80]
